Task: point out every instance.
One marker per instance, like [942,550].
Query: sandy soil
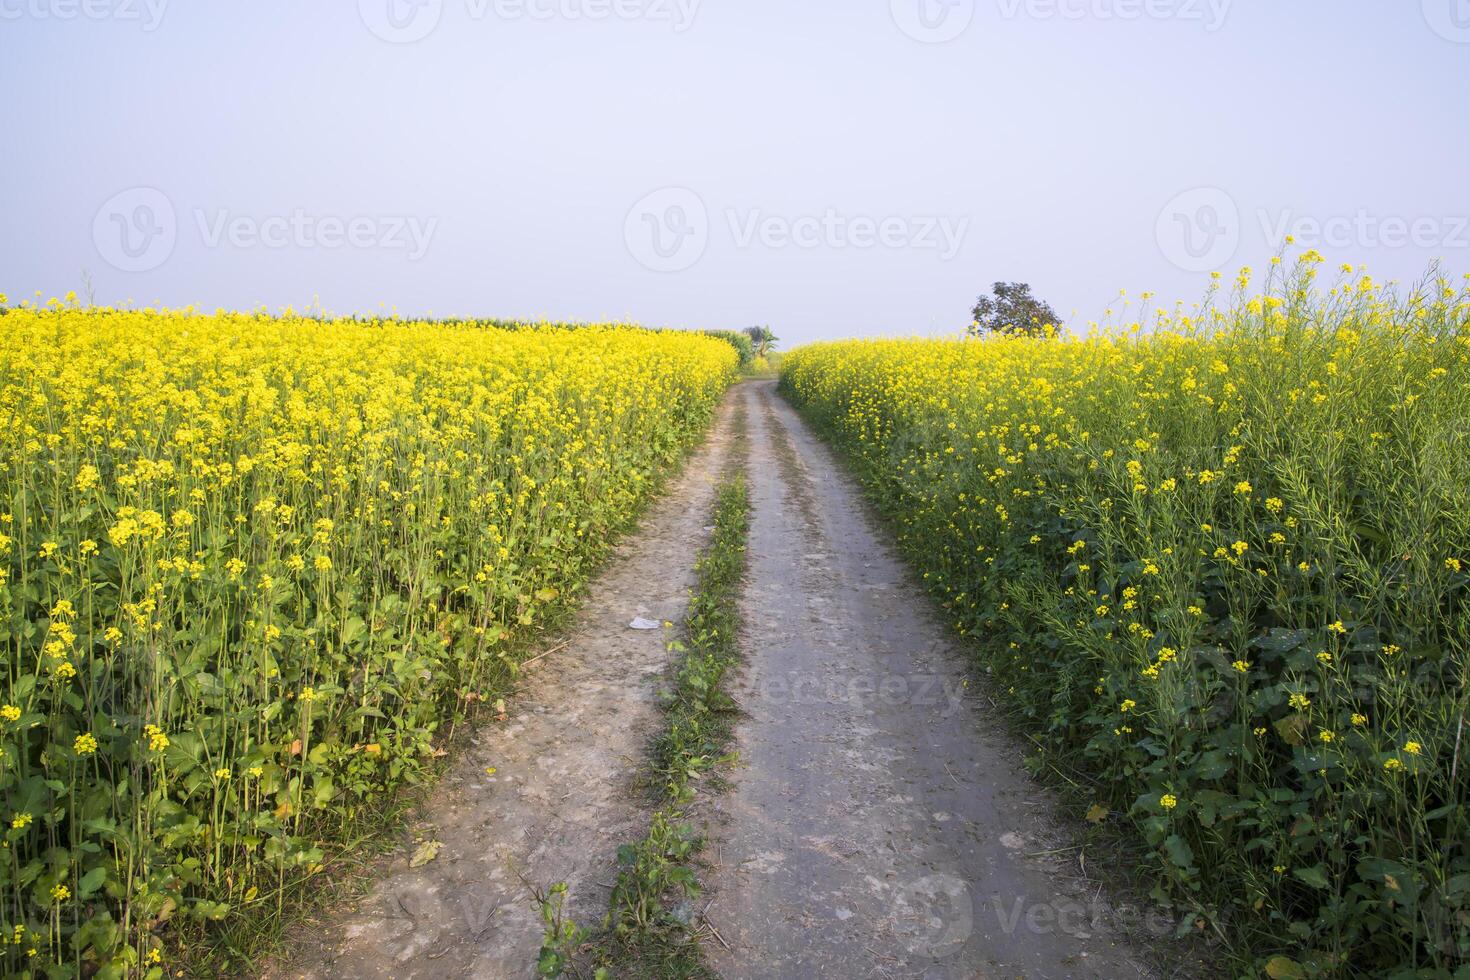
[880,825]
[563,796]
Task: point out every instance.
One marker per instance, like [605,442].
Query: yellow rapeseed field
[1219,561]
[253,567]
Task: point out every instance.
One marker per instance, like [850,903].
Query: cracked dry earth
[879,825]
[563,796]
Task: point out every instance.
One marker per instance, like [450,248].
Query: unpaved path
[879,825]
[562,799]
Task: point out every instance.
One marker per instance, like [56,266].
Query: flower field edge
[253,567]
[1219,560]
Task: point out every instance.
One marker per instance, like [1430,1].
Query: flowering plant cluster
[1217,560]
[254,568]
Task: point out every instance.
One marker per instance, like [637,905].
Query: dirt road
[879,825]
[562,798]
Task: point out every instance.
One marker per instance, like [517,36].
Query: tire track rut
[880,825]
[563,796]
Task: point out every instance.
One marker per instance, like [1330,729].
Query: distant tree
[738,339]
[763,340]
[1012,308]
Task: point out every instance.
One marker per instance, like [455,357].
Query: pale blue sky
[836,168]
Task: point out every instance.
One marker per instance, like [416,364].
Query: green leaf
[1213,764]
[352,629]
[1282,640]
[1179,851]
[1313,876]
[322,792]
[91,881]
